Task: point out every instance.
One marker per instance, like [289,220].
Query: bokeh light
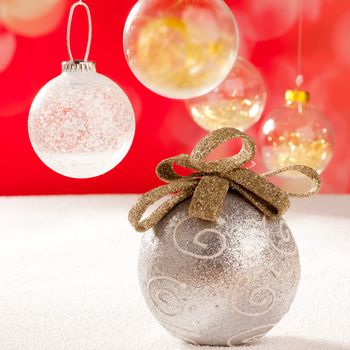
[31,18]
[265,20]
[7,49]
[340,40]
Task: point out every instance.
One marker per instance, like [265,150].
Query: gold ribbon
[211,181]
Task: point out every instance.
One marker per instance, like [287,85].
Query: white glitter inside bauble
[81,124]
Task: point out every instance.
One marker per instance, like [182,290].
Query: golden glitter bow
[210,183]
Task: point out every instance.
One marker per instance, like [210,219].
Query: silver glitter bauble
[223,283]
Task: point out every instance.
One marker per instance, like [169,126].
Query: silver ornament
[222,283]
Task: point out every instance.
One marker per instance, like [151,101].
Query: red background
[268,31]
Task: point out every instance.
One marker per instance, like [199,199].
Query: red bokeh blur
[32,46]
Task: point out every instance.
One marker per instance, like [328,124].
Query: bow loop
[266,196]
[180,191]
[205,146]
[165,169]
[312,174]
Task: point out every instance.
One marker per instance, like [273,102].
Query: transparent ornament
[296,133]
[181,48]
[238,101]
[81,124]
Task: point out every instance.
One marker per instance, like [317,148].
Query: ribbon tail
[312,174]
[208,198]
[267,197]
[180,191]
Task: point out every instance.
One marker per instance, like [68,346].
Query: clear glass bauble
[81,124]
[238,101]
[296,133]
[181,49]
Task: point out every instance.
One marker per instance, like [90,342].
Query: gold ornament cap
[299,96]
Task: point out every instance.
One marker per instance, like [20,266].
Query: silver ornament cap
[78,66]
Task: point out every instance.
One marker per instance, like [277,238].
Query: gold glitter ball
[237,102]
[296,134]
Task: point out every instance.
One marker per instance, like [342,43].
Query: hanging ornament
[218,265]
[297,133]
[81,124]
[32,18]
[7,48]
[238,101]
[178,48]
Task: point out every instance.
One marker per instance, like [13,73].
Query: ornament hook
[70,18]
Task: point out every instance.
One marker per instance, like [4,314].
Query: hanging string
[300,78]
[69,26]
